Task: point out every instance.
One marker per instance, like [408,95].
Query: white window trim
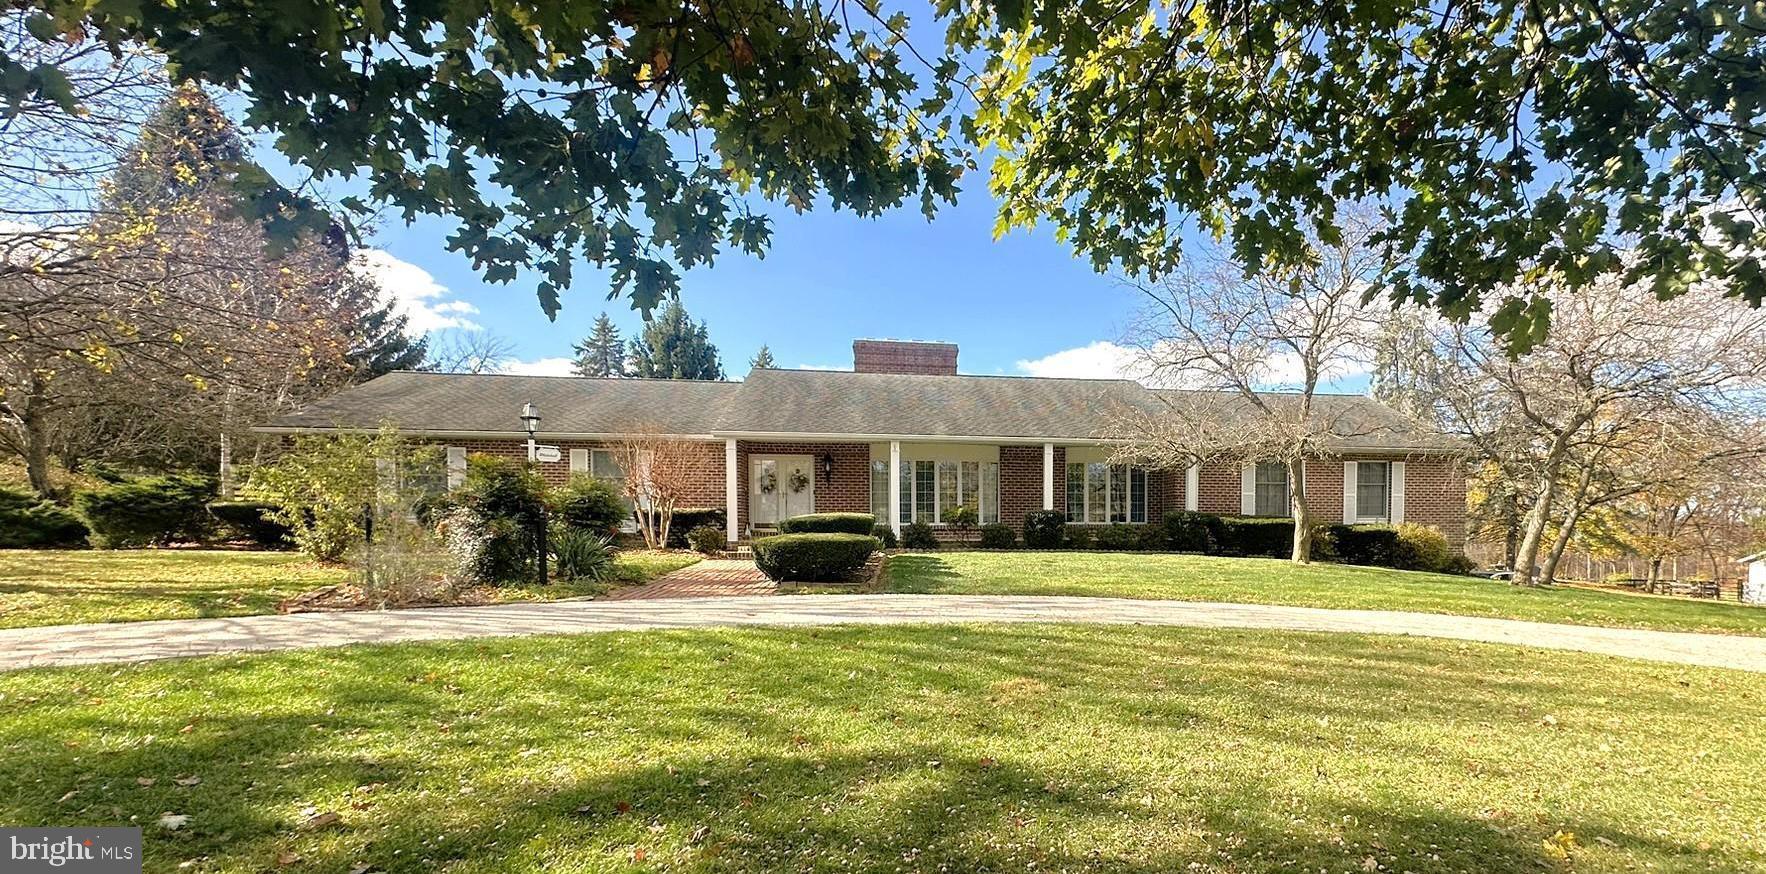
[1109,487]
[1353,492]
[911,491]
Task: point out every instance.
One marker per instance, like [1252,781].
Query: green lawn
[918,748]
[39,587]
[1270,581]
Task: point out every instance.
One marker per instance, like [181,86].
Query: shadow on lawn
[918,573]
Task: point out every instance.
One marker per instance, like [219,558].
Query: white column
[895,487]
[1048,476]
[732,497]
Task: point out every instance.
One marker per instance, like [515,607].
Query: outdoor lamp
[827,466]
[530,418]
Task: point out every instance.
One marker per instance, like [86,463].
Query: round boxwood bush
[886,536]
[829,523]
[812,558]
[591,504]
[998,536]
[1045,529]
[918,535]
[708,539]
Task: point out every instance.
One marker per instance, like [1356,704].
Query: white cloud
[824,367]
[540,367]
[426,303]
[1098,360]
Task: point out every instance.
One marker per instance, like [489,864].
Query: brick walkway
[714,577]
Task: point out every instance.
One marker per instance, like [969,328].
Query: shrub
[1044,529]
[405,564]
[466,538]
[1150,538]
[510,498]
[918,535]
[998,536]
[321,486]
[254,521]
[1374,545]
[1422,548]
[1076,537]
[962,520]
[684,522]
[812,558]
[148,510]
[594,505]
[1186,531]
[28,521]
[580,553]
[708,539]
[1118,537]
[1271,536]
[829,523]
[885,535]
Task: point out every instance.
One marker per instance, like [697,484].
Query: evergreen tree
[672,346]
[187,148]
[762,359]
[601,354]
[380,342]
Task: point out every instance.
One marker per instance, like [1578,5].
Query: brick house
[905,436]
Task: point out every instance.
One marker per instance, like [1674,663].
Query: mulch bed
[346,597]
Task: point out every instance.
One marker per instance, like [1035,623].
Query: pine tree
[762,359]
[187,146]
[672,346]
[601,354]
[380,342]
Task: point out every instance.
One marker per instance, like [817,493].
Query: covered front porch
[902,481]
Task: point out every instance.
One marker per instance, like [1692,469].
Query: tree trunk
[1511,539]
[35,437]
[1526,561]
[1548,573]
[226,466]
[1302,516]
[1655,574]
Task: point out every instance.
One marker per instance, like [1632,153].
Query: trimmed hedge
[1045,529]
[29,521]
[829,523]
[1076,537]
[708,539]
[685,521]
[1118,537]
[1375,545]
[1408,546]
[1271,536]
[149,510]
[248,519]
[1186,531]
[998,536]
[918,535]
[813,558]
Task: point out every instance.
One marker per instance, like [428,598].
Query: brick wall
[1434,490]
[847,491]
[904,356]
[1021,483]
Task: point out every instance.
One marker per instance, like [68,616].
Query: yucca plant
[581,554]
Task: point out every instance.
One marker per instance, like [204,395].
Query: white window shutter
[579,461]
[1395,488]
[1248,489]
[456,466]
[1192,488]
[1349,481]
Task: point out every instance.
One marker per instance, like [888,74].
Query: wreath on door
[769,483]
[798,481]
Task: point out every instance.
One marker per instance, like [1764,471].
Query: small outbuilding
[1753,587]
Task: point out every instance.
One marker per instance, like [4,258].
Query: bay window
[1098,493]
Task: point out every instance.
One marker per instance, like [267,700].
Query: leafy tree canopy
[622,133]
[1518,144]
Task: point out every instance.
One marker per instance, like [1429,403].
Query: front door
[779,487]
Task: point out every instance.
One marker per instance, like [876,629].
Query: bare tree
[1256,346]
[660,474]
[1617,367]
[468,350]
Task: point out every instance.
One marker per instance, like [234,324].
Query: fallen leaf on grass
[145,781]
[191,780]
[173,821]
[322,820]
[287,857]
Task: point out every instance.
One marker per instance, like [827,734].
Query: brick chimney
[904,356]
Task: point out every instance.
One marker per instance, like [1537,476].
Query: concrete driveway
[145,641]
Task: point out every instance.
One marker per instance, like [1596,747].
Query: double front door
[779,487]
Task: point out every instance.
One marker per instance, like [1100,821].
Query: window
[1099,492]
[1373,486]
[931,489]
[604,464]
[880,491]
[1272,489]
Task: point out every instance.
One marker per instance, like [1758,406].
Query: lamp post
[530,421]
